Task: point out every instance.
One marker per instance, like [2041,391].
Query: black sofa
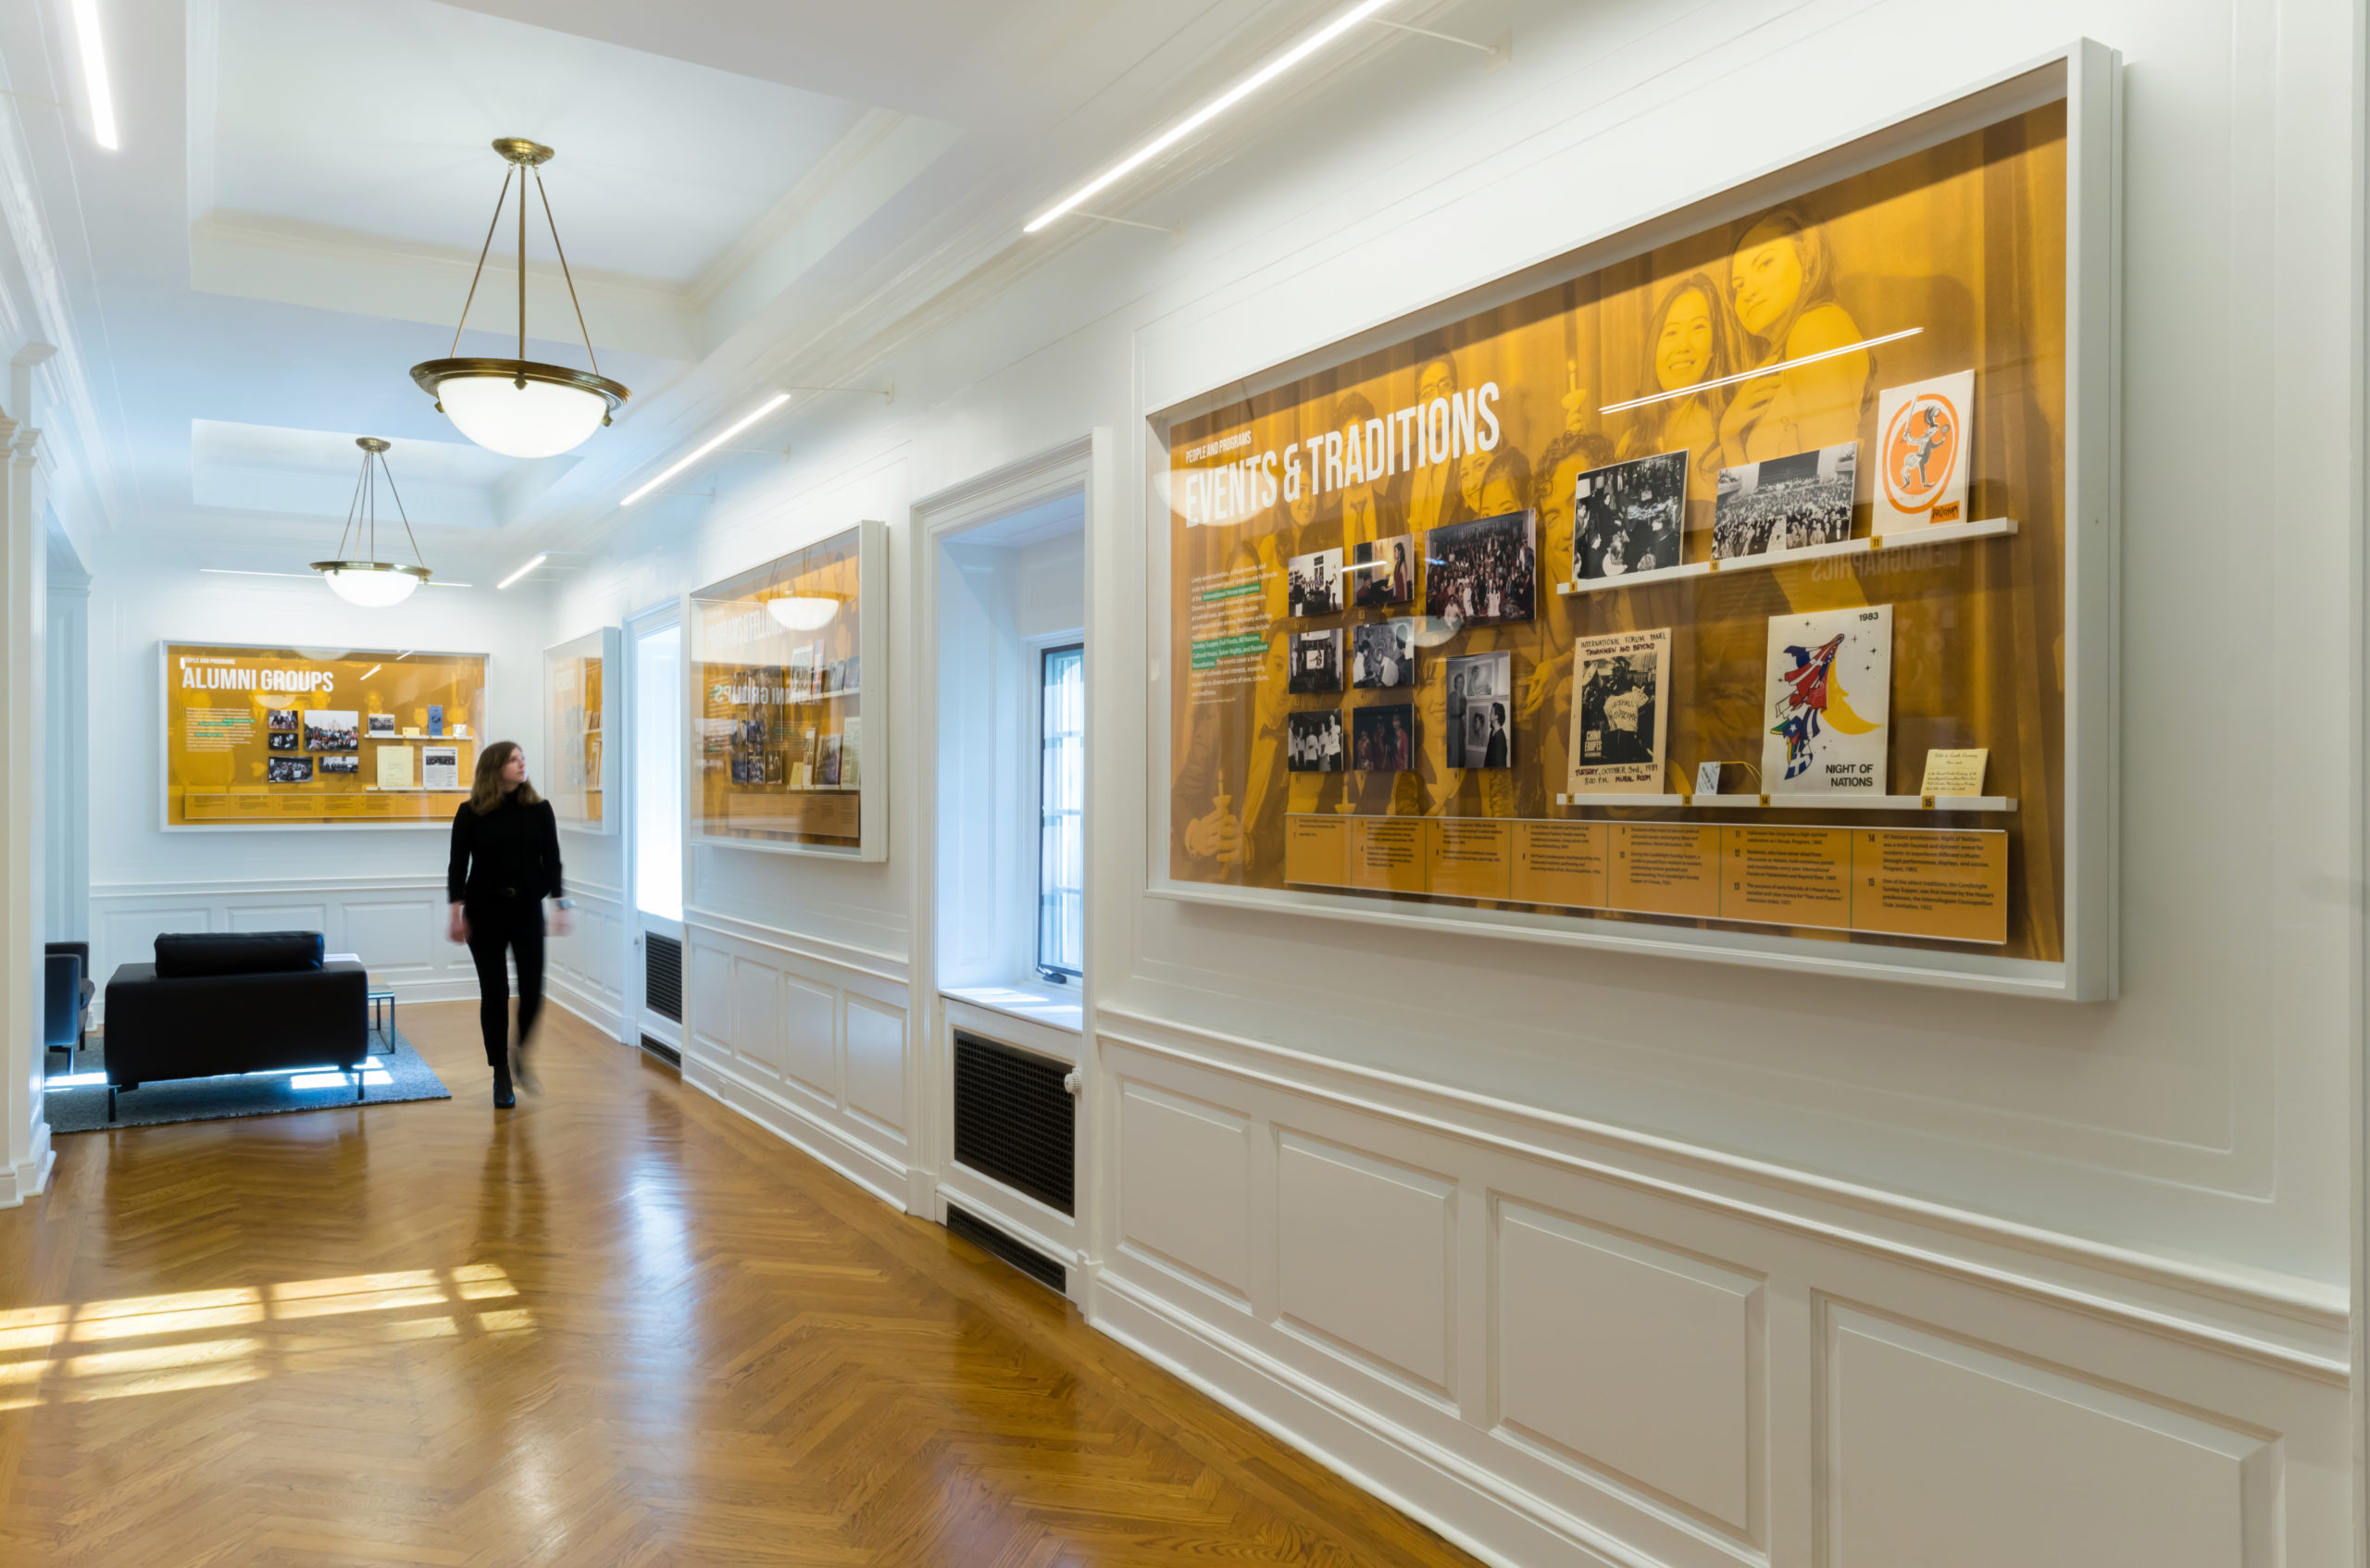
[234,1002]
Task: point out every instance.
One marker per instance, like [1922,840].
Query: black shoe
[523,1073]
[503,1099]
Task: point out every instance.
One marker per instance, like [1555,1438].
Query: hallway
[617,1326]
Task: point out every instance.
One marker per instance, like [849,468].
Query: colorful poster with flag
[1827,701]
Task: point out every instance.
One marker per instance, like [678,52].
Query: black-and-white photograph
[1316,661]
[1484,572]
[288,770]
[827,767]
[1631,517]
[1481,711]
[332,729]
[1382,571]
[1786,502]
[1313,583]
[283,740]
[348,763]
[382,726]
[1383,654]
[278,719]
[746,768]
[1616,709]
[1382,739]
[1313,742]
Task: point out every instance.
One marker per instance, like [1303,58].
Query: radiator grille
[1014,1120]
[662,985]
[1026,1259]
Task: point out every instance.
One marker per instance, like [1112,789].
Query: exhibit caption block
[1937,884]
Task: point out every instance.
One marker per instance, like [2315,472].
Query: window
[1060,801]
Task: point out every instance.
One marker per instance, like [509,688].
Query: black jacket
[512,851]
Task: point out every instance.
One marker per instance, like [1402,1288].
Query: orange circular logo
[1921,452]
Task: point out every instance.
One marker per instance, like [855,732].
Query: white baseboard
[593,1009]
[30,1176]
[883,1178]
[1361,1446]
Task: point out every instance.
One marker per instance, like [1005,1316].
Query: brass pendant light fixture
[372,583]
[519,407]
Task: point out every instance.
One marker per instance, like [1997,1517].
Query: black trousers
[517,926]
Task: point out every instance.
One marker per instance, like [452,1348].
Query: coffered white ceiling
[303,186]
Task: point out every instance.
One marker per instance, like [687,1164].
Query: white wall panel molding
[877,963]
[2301,1323]
[1524,1337]
[581,969]
[397,924]
[816,1050]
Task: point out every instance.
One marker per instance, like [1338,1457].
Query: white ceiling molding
[250,256]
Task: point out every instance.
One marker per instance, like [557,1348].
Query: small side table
[382,1014]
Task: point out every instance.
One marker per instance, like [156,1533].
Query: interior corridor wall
[377,892]
[1592,1258]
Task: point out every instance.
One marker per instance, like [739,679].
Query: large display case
[574,769]
[266,737]
[789,671]
[1738,586]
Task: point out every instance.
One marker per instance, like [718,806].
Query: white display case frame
[2088,77]
[872,649]
[607,644]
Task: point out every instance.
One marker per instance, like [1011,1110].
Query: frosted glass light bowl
[518,407]
[373,585]
[803,612]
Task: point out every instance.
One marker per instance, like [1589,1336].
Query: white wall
[1590,1258]
[376,891]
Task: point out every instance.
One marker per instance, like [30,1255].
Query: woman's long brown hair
[486,791]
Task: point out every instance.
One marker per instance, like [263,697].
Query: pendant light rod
[501,198]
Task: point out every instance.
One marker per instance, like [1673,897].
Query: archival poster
[1829,691]
[1715,401]
[1618,729]
[1925,431]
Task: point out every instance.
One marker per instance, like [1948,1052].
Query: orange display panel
[1456,483]
[258,737]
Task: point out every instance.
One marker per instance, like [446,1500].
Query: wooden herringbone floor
[617,1326]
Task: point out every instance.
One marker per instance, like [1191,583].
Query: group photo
[1383,738]
[1482,573]
[1313,583]
[1786,502]
[1313,742]
[1630,517]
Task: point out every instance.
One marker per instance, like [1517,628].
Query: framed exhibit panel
[789,671]
[573,770]
[1738,586]
[263,737]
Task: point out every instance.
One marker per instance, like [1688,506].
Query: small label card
[1707,777]
[1956,773]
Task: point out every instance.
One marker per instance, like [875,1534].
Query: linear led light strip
[307,577]
[1764,370]
[540,556]
[708,445]
[1209,111]
[94,72]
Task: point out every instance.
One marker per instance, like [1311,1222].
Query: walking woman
[506,862]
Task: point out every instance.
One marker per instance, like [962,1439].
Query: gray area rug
[78,1099]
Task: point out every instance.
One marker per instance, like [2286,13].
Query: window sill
[1032,999]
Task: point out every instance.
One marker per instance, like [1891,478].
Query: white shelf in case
[1949,533]
[1801,801]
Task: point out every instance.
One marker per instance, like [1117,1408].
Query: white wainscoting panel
[1365,1251]
[1185,1186]
[1565,1344]
[806,1038]
[876,1053]
[1631,1357]
[397,924]
[583,969]
[1952,1456]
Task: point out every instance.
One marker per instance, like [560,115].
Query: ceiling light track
[92,47]
[717,440]
[522,408]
